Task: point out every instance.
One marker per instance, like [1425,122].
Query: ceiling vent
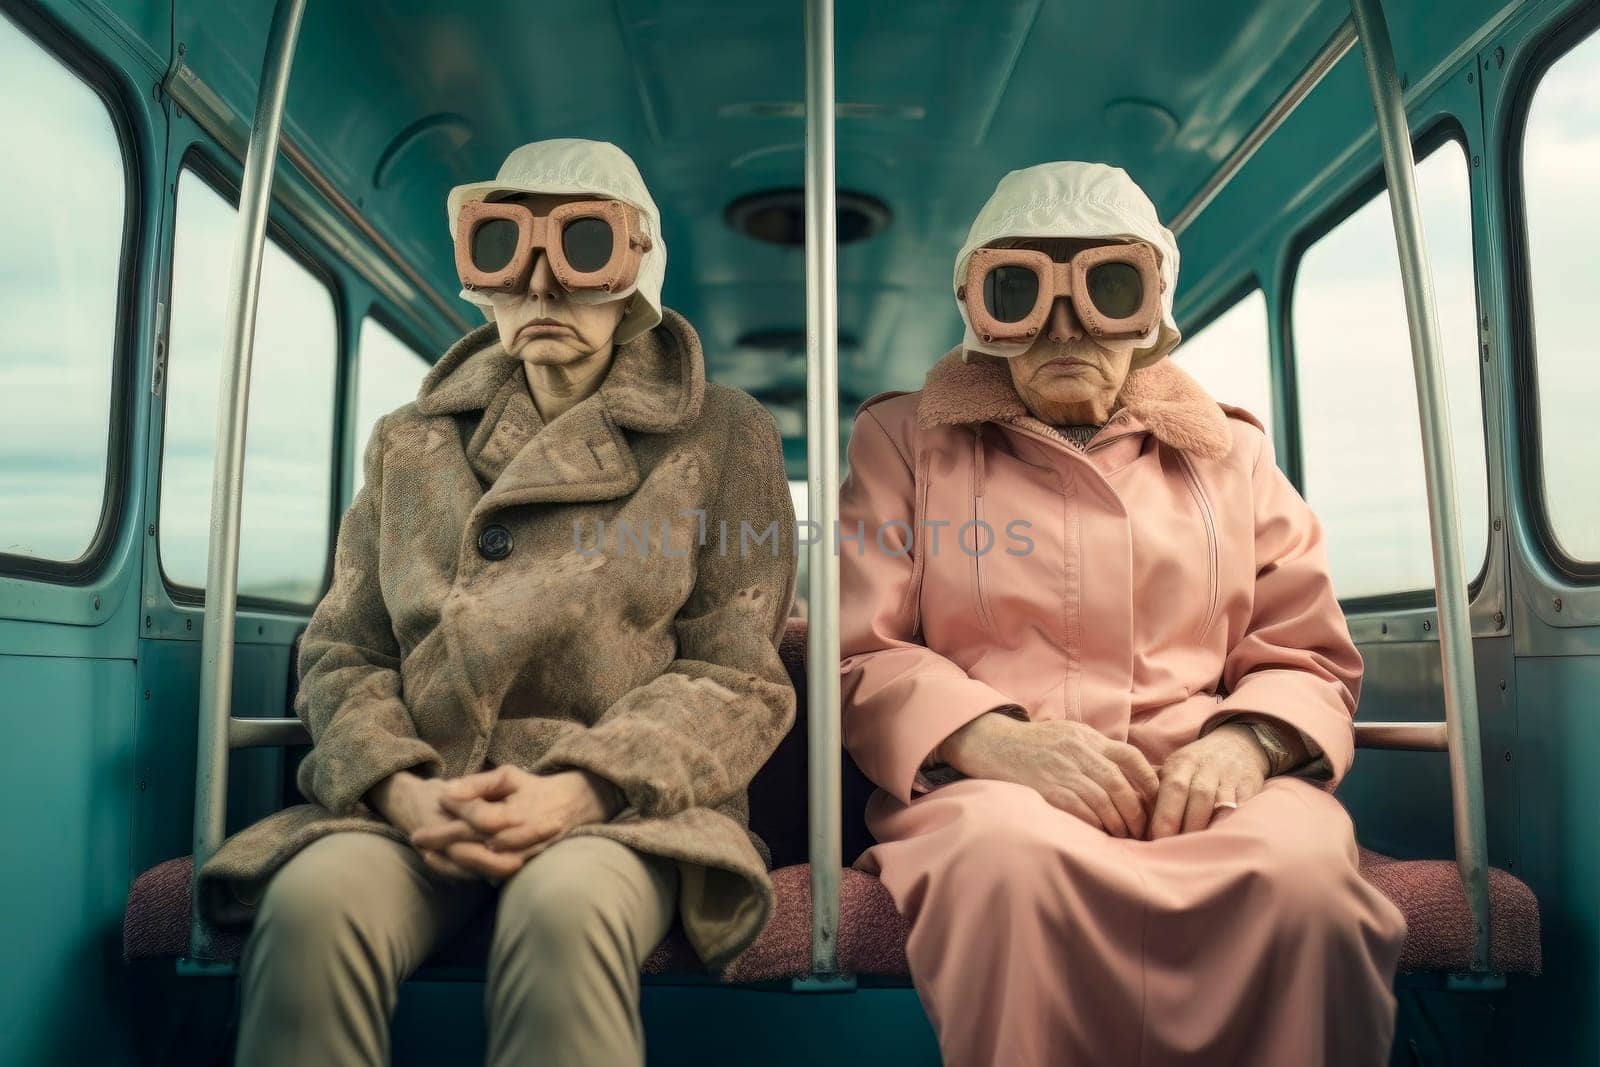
[778,216]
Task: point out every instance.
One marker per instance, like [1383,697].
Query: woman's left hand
[1225,767]
[505,816]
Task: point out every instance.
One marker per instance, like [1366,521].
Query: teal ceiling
[398,101]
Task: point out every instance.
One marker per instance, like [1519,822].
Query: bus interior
[1255,125]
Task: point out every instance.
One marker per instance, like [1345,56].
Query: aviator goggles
[593,246]
[1115,291]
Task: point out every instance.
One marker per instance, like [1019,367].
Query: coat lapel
[1162,399]
[656,384]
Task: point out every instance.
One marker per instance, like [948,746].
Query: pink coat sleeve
[899,698]
[1296,662]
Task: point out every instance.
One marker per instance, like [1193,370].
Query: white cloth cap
[1074,200]
[571,166]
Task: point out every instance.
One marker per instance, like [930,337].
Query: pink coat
[1163,580]
[1159,581]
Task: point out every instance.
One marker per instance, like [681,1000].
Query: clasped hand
[489,824]
[1109,784]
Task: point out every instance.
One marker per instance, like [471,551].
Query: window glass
[388,372]
[1561,172]
[1232,357]
[1360,434]
[63,196]
[289,446]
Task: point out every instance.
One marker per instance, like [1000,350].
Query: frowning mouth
[1067,361]
[543,328]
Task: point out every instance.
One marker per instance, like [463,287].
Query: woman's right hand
[410,803]
[1106,783]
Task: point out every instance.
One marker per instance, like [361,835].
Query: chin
[551,351]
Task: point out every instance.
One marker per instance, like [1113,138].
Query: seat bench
[872,934]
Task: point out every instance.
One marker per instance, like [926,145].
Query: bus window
[1560,174]
[388,372]
[1232,357]
[63,201]
[289,451]
[1360,436]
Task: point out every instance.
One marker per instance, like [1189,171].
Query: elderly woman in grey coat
[546,668]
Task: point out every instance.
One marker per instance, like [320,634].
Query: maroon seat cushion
[1429,894]
[777,792]
[872,934]
[156,926]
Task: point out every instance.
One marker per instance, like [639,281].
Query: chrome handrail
[1405,736]
[280,732]
[233,402]
[1438,457]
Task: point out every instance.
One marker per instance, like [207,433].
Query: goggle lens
[587,244]
[494,242]
[1115,289]
[1010,293]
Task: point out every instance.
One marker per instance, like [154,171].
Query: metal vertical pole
[822,469]
[227,476]
[1449,575]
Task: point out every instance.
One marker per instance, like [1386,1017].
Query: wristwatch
[1278,755]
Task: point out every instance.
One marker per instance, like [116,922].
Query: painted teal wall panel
[699,1026]
[1556,1015]
[169,671]
[66,770]
[1401,800]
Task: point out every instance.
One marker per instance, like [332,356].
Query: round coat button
[494,542]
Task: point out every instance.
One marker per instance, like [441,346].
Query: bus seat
[872,933]
[778,791]
[1439,936]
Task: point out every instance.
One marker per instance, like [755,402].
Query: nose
[542,284]
[1064,324]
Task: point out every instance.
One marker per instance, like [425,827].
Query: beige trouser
[351,915]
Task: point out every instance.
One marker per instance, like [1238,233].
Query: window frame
[1554,46]
[1247,283]
[1432,137]
[383,316]
[202,160]
[386,318]
[78,61]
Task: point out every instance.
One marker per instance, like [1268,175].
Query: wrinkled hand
[412,805]
[502,818]
[1076,768]
[1228,765]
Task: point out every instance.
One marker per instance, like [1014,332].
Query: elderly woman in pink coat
[1094,662]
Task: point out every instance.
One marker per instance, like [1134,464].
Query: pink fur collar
[1162,398]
